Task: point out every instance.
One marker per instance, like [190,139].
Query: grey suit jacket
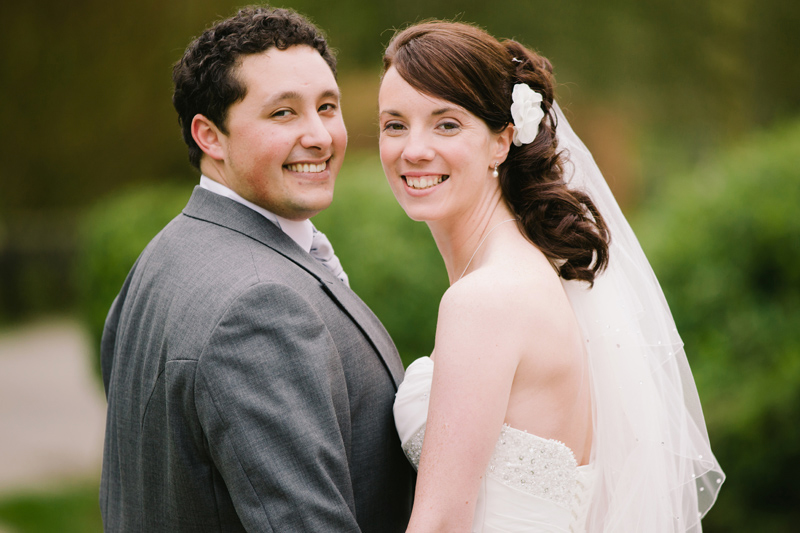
[248,388]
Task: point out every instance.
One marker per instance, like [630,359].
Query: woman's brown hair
[465,65]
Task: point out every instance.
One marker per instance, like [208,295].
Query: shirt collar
[300,231]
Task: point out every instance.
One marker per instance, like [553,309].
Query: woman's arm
[478,348]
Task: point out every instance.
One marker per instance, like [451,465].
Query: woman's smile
[424,181]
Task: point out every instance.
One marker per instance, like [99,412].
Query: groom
[248,387]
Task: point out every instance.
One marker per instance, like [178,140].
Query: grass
[70,509]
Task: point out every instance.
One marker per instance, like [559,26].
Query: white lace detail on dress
[541,467]
[413,447]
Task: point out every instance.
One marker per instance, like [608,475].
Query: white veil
[654,468]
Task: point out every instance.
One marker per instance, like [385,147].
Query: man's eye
[327,107]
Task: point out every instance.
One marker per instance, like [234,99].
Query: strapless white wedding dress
[532,484]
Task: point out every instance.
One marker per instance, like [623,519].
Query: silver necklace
[481,244]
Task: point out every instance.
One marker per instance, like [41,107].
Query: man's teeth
[423,182]
[306,167]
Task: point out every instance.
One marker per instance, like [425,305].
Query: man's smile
[307,167]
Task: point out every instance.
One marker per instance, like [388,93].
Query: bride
[558,396]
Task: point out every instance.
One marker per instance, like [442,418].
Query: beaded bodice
[530,480]
[542,467]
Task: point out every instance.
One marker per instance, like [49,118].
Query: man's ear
[208,137]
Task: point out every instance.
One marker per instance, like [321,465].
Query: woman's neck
[461,239]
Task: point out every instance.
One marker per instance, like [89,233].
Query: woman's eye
[449,126]
[393,126]
[282,113]
[327,107]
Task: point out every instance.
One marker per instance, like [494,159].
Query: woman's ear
[208,137]
[503,143]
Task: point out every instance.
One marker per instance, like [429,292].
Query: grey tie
[322,251]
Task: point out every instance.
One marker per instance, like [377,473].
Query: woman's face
[437,156]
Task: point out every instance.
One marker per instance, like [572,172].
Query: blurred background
[691,108]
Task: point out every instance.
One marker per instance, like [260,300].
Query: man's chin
[306,211]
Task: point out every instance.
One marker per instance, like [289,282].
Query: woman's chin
[420,214]
[419,208]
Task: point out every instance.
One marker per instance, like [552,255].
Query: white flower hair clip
[527,112]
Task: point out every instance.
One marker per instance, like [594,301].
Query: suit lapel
[216,209]
[368,323]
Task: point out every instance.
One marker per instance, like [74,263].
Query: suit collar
[301,231]
[215,209]
[225,212]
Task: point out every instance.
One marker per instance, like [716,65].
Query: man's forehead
[298,71]
[294,57]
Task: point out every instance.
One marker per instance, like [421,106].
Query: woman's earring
[495,173]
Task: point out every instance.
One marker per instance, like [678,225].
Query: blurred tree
[725,243]
[87,86]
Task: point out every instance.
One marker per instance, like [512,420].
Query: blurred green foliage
[72,509]
[111,236]
[392,261]
[724,241]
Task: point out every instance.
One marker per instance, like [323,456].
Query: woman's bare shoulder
[519,308]
[508,287]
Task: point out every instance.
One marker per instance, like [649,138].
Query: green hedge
[725,244]
[111,236]
[392,261]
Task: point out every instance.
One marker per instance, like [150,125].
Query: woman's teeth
[306,167]
[424,182]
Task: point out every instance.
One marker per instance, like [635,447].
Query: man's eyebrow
[331,93]
[286,95]
[294,95]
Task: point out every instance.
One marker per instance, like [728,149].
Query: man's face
[286,139]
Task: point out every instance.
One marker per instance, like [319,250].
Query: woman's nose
[418,148]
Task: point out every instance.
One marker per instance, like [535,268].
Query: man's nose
[316,134]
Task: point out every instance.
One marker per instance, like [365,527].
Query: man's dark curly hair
[205,77]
